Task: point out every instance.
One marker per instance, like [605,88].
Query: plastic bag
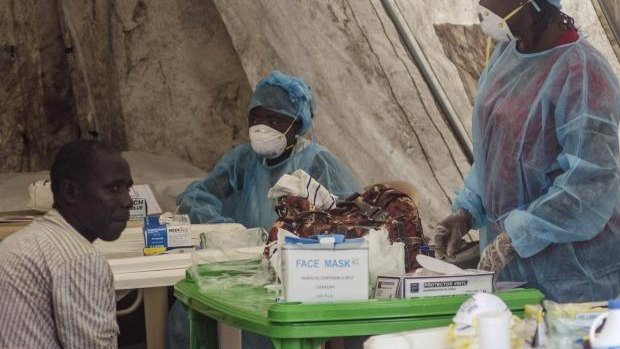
[233,239]
[230,261]
[384,258]
[235,280]
[569,323]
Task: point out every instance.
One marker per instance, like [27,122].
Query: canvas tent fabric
[375,109]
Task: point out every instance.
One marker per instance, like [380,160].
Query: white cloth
[300,184]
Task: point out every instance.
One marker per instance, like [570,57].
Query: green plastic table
[295,325]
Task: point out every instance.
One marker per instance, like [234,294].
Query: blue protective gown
[236,189]
[545,131]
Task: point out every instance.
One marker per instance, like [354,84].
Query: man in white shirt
[57,290]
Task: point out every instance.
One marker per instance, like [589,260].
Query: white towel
[300,184]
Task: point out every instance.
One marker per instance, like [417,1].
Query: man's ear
[70,191]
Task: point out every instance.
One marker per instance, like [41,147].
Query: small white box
[388,287]
[447,285]
[138,209]
[325,273]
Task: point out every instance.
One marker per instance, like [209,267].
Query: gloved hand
[449,233]
[497,254]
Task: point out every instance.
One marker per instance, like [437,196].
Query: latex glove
[449,232]
[497,254]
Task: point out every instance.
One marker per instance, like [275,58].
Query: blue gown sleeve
[469,199]
[581,199]
[334,175]
[203,200]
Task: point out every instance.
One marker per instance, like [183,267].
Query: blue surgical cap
[285,94]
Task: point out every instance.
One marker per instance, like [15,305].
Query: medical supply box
[437,285]
[324,269]
[138,209]
[166,233]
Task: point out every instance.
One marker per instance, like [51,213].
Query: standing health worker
[544,186]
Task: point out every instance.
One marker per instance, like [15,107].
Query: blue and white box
[166,233]
[325,269]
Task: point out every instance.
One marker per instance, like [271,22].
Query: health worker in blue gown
[236,190]
[544,186]
[280,113]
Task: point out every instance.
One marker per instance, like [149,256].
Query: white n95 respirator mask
[495,26]
[267,141]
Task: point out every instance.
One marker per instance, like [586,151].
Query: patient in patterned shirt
[57,290]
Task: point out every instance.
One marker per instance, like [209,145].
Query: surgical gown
[545,131]
[236,189]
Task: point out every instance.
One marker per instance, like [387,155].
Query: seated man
[57,290]
[236,190]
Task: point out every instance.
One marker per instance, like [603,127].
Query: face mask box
[171,235]
[325,272]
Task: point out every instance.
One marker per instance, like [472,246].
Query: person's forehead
[110,167]
[263,114]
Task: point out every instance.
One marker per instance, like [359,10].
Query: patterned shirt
[56,290]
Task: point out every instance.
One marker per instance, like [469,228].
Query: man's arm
[84,303]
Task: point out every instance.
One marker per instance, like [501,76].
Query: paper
[144,191]
[439,266]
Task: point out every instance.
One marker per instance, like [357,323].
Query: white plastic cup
[494,330]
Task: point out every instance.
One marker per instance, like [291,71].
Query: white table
[154,274]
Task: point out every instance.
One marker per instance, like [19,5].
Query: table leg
[298,343]
[230,337]
[155,314]
[202,331]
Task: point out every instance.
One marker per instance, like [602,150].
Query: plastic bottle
[609,337]
[494,330]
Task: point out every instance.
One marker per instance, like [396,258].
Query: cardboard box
[168,237]
[388,287]
[324,272]
[447,285]
[144,202]
[138,209]
[429,286]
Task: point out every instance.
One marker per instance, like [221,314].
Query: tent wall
[182,87]
[374,109]
[159,76]
[175,77]
[37,113]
